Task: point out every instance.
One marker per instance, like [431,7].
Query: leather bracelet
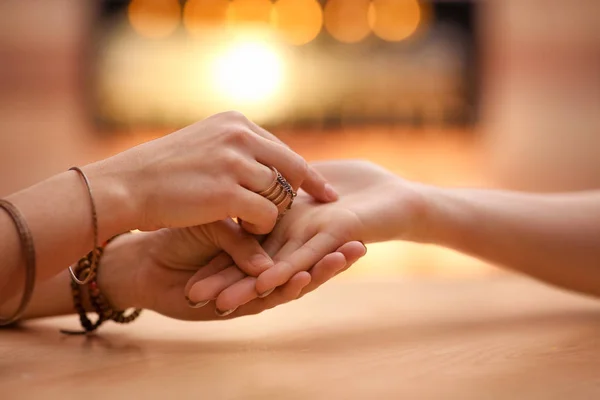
[94,261]
[28,250]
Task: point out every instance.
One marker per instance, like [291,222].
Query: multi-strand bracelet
[84,274]
[97,300]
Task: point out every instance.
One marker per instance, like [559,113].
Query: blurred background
[501,93]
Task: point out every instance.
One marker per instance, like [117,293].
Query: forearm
[555,238]
[58,213]
[115,279]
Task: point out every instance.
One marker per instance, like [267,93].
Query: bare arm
[58,213]
[552,237]
[555,238]
[206,172]
[150,270]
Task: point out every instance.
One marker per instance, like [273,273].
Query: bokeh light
[248,71]
[249,12]
[347,21]
[298,21]
[154,18]
[200,15]
[394,20]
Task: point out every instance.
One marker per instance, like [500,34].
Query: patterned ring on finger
[280,193]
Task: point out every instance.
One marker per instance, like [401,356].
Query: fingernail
[330,192]
[198,304]
[224,313]
[261,261]
[265,294]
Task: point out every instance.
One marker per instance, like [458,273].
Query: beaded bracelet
[97,300]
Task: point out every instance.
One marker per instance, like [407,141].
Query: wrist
[115,198]
[117,272]
[445,217]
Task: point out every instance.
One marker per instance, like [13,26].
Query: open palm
[169,258]
[368,200]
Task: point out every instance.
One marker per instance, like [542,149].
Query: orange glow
[298,21]
[154,18]
[394,20]
[249,12]
[347,21]
[201,14]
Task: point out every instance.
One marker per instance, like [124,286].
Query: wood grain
[479,338]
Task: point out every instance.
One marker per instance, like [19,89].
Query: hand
[374,206]
[160,263]
[207,172]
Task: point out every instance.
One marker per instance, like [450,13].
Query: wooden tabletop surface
[479,338]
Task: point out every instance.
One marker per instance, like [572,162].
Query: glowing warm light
[154,18]
[394,20]
[198,15]
[298,21]
[249,12]
[250,71]
[347,21]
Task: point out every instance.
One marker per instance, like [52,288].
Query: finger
[301,260]
[260,131]
[287,250]
[257,177]
[291,166]
[318,187]
[334,264]
[352,251]
[236,295]
[245,291]
[314,183]
[241,297]
[288,292]
[259,214]
[327,268]
[217,264]
[209,288]
[282,254]
[272,244]
[245,249]
[292,289]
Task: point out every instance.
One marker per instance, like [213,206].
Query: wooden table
[481,338]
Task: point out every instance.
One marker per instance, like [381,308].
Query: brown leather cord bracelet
[94,261]
[28,250]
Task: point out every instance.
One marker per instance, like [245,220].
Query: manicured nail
[265,294]
[261,262]
[198,304]
[224,313]
[330,192]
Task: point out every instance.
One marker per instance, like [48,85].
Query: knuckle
[238,165]
[233,163]
[268,220]
[234,115]
[237,136]
[271,213]
[227,195]
[301,168]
